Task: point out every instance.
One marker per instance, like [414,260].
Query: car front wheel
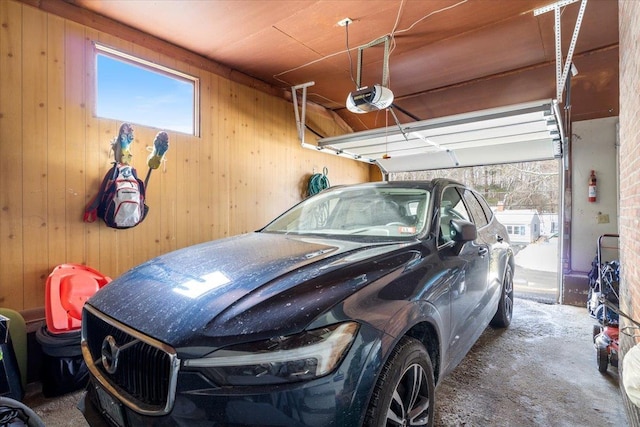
[404,392]
[502,318]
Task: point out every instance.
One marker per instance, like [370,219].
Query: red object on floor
[69,286]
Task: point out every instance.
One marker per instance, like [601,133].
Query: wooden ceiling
[448,56]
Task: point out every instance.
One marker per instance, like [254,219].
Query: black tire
[404,394]
[602,358]
[597,329]
[19,414]
[502,318]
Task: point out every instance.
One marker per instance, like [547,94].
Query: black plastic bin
[63,369]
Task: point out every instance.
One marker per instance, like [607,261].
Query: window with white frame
[133,90]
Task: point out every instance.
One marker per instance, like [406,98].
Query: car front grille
[140,371]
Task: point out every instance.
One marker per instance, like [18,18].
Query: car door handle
[483,251]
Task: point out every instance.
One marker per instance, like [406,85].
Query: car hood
[245,287]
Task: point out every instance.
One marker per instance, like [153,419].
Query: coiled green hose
[318,182]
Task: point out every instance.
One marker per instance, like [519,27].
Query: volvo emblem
[110,352]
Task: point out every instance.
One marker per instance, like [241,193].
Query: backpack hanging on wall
[121,199]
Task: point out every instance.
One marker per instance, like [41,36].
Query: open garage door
[528,132]
[517,133]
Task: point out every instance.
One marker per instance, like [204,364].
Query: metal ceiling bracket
[563,72]
[301,125]
[453,157]
[300,112]
[385,60]
[572,46]
[552,6]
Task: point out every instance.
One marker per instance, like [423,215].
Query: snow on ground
[542,256]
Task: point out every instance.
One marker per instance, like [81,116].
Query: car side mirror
[463,231]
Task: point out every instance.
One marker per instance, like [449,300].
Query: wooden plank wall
[246,167]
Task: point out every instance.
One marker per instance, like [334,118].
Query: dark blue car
[345,311]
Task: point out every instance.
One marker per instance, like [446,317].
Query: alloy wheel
[410,402]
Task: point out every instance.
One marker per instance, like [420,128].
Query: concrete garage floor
[539,372]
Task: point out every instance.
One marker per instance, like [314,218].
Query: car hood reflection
[243,287]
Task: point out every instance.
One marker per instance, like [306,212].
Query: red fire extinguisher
[592,187]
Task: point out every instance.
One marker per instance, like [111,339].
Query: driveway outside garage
[541,371]
[536,273]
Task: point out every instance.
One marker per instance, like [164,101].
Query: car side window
[485,207]
[476,209]
[451,207]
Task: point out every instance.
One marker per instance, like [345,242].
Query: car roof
[426,184]
[429,185]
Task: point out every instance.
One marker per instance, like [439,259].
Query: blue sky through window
[138,94]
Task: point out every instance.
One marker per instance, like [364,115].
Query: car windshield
[358,211]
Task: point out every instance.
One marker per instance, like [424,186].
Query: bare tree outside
[521,190]
[531,185]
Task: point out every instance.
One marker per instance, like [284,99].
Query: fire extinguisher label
[592,192]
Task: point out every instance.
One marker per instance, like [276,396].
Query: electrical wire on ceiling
[348,50]
[444,9]
[392,44]
[393,32]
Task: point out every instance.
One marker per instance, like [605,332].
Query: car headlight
[299,357]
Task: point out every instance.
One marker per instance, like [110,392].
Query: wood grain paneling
[11,142]
[244,168]
[55,179]
[76,144]
[96,155]
[34,154]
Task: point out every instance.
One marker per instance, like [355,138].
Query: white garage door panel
[523,132]
[495,140]
[517,152]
